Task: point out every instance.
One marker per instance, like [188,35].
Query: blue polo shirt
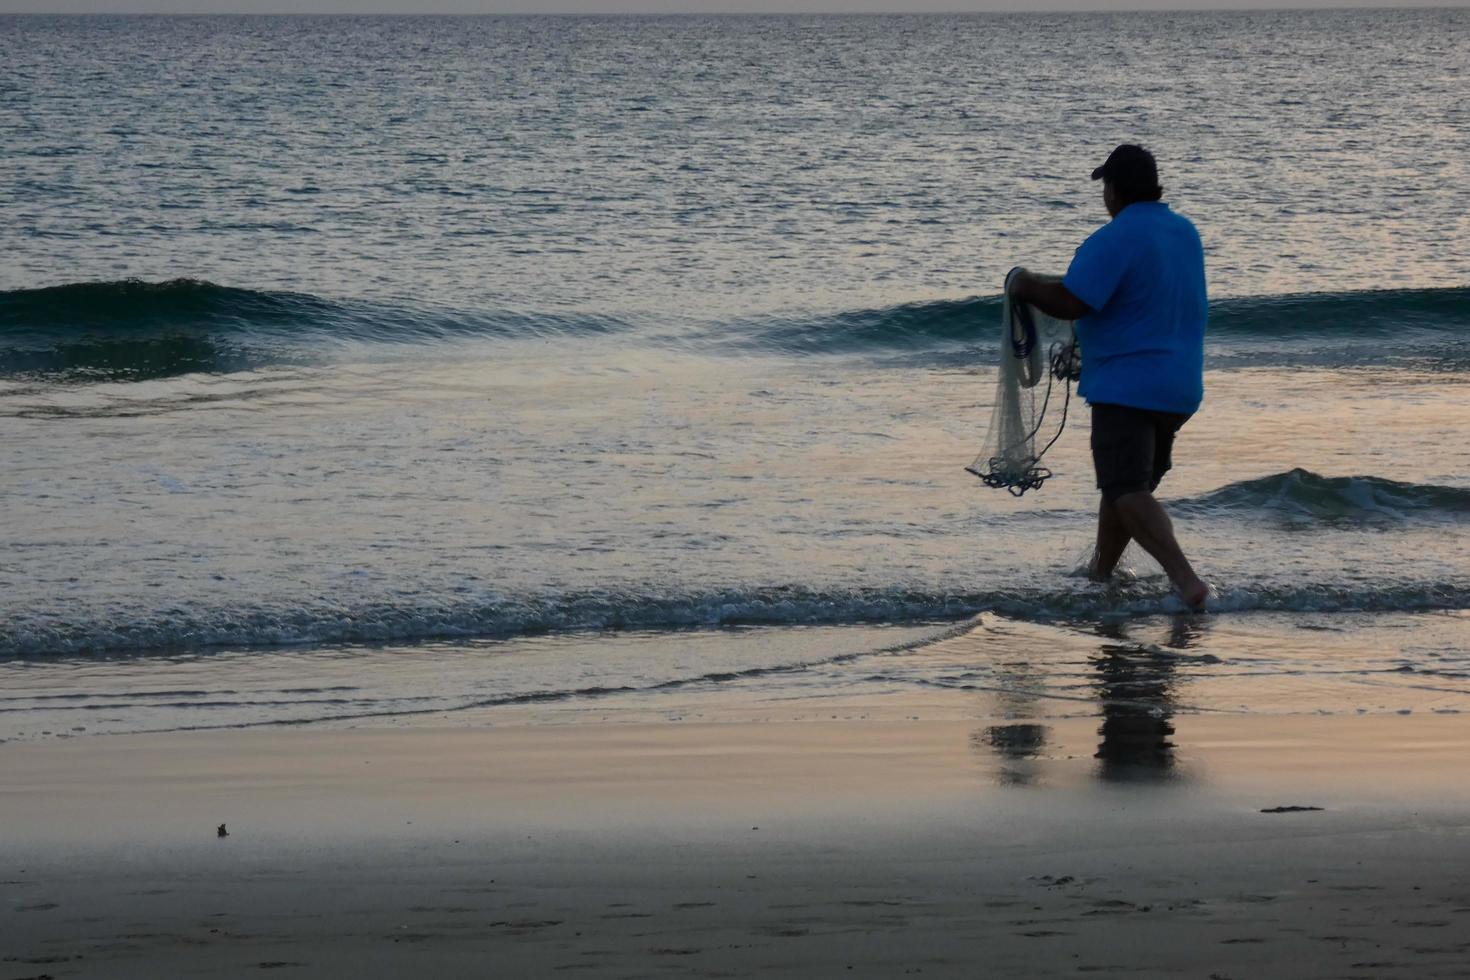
[1143,344]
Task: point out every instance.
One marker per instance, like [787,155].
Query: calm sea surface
[362,366]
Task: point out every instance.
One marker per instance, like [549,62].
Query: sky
[662,6]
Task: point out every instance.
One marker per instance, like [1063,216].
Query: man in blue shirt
[1136,288]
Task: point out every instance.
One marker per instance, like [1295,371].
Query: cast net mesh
[1038,354]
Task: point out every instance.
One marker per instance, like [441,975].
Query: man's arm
[1049,296]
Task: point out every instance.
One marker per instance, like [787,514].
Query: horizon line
[1249,6]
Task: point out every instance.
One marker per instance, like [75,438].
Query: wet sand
[839,848]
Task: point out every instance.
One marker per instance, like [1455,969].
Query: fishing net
[1038,354]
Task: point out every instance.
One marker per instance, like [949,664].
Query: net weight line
[997,475]
[1012,464]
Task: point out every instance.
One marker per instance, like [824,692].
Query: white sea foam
[175,629]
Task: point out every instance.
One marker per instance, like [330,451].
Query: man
[1136,288]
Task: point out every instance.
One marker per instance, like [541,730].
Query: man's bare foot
[1194,594]
[1117,575]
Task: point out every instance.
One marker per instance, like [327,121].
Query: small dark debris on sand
[1291,809]
[221,831]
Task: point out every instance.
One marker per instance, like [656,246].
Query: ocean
[376,369]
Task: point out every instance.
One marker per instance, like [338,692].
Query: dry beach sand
[822,848]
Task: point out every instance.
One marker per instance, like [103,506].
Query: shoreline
[731,848]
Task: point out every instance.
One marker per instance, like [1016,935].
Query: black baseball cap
[1129,166]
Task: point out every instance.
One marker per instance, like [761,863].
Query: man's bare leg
[1112,541]
[1145,520]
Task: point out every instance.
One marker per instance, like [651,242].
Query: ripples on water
[720,165]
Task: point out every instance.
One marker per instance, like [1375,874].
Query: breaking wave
[135,330]
[1302,494]
[184,629]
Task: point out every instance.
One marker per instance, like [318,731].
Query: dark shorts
[1132,448]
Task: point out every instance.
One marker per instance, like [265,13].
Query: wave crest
[1301,493]
[133,330]
[182,628]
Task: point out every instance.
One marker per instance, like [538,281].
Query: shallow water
[1125,669]
[665,324]
[498,498]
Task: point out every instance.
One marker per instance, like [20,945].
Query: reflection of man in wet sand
[1135,686]
[1136,288]
[1137,708]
